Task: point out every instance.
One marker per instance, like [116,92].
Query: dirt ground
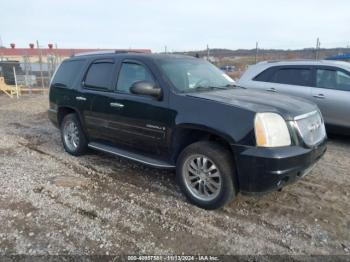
[54,203]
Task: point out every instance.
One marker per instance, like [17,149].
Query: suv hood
[260,101]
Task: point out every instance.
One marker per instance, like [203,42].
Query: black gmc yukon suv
[170,111]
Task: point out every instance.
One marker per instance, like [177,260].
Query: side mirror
[146,88]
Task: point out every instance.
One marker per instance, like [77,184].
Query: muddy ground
[54,203]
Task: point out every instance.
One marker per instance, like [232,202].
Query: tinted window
[131,73]
[332,79]
[292,76]
[343,81]
[264,76]
[68,72]
[100,75]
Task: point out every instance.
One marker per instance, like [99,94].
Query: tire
[224,177]
[75,144]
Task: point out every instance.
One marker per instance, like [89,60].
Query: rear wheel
[205,173]
[72,134]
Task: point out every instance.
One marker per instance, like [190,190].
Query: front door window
[332,79]
[131,73]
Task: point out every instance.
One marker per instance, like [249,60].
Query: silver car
[325,82]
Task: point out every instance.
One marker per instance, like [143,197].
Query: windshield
[191,75]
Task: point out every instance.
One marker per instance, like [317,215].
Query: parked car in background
[228,68]
[181,112]
[327,83]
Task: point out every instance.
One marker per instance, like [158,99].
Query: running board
[130,155]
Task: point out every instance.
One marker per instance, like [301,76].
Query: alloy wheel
[202,177]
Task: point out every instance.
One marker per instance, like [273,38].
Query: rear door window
[68,72]
[100,75]
[292,76]
[333,79]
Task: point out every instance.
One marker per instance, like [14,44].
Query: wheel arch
[186,134]
[62,111]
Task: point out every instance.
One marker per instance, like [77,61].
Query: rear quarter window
[67,73]
[100,75]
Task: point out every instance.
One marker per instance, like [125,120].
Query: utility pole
[40,63]
[318,45]
[256,52]
[208,52]
[165,49]
[58,58]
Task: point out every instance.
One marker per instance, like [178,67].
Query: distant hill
[241,58]
[306,53]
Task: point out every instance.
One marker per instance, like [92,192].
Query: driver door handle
[80,98]
[118,105]
[321,96]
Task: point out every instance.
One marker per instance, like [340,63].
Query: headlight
[271,130]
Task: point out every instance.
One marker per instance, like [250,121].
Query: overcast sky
[178,24]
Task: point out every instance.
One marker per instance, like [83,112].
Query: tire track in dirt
[129,207]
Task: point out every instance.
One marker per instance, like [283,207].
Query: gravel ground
[54,203]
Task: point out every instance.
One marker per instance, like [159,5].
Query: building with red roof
[34,53]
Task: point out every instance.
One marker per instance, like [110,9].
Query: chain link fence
[29,74]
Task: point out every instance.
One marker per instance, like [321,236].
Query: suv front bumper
[261,170]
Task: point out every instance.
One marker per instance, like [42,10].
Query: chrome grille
[311,128]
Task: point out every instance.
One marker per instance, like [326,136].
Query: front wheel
[72,134]
[206,174]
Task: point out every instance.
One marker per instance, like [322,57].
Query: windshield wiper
[206,88]
[199,88]
[223,87]
[234,86]
[239,86]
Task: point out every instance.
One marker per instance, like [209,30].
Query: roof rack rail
[129,51]
[103,52]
